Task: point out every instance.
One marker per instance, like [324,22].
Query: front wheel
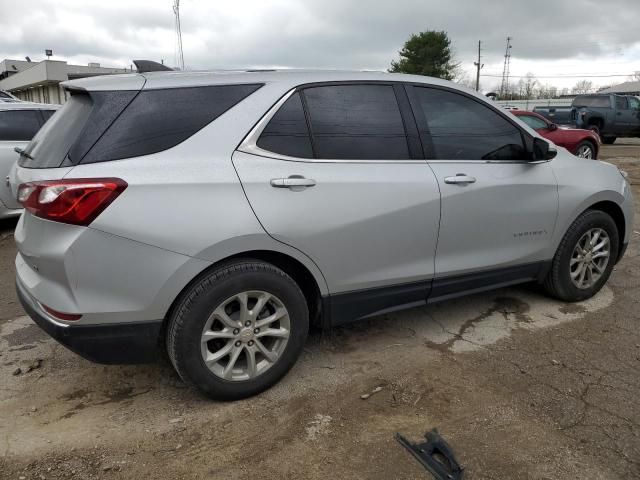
[585,258]
[586,150]
[238,330]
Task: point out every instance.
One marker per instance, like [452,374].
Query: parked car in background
[612,116]
[582,143]
[19,122]
[7,97]
[218,216]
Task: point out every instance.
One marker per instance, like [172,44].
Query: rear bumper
[121,343]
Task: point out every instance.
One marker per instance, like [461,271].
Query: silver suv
[218,215]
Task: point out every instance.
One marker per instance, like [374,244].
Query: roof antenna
[176,11]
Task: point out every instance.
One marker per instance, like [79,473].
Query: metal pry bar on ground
[435,455]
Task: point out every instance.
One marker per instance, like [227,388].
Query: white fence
[530,104]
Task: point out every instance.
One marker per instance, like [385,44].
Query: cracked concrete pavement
[521,386]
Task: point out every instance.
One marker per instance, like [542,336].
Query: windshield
[51,144]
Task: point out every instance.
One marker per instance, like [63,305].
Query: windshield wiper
[22,152]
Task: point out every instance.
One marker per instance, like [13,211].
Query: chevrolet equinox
[218,215]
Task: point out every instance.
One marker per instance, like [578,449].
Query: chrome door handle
[460,179]
[292,181]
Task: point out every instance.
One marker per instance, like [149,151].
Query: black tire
[194,307]
[609,140]
[558,282]
[591,146]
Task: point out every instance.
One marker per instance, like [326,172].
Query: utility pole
[478,65]
[176,11]
[504,88]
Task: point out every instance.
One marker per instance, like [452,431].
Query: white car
[19,122]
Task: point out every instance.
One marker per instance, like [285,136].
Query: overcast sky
[551,38]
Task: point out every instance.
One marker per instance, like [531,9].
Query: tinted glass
[596,101]
[19,125]
[621,103]
[160,119]
[287,132]
[634,103]
[464,129]
[533,122]
[52,143]
[356,122]
[47,114]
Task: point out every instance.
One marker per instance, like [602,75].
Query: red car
[582,143]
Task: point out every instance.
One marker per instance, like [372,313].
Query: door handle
[292,181]
[460,179]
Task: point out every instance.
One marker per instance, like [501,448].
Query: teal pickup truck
[612,116]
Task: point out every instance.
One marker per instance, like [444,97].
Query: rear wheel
[608,140]
[586,150]
[238,330]
[585,258]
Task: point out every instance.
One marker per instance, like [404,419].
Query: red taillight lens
[76,201]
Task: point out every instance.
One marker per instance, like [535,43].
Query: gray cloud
[316,33]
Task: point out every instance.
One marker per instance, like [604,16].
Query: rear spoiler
[145,66]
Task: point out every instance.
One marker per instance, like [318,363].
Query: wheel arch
[615,212]
[296,269]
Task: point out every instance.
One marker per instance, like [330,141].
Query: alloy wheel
[590,258]
[245,335]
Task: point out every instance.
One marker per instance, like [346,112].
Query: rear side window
[356,122]
[621,103]
[464,129]
[160,119]
[19,125]
[595,101]
[287,132]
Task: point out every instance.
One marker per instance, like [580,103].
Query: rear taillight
[76,201]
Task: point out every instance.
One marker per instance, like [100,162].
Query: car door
[17,128]
[337,171]
[625,118]
[498,209]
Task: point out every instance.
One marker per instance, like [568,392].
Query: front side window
[533,122]
[287,132]
[464,129]
[356,122]
[19,125]
[634,103]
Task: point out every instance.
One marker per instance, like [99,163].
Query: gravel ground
[521,386]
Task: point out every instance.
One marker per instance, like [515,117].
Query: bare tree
[582,87]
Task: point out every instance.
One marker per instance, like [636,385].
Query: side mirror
[553,127]
[542,151]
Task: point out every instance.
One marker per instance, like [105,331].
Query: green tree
[427,53]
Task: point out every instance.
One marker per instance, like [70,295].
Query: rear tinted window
[464,129]
[596,101]
[19,125]
[50,146]
[356,122]
[160,119]
[287,132]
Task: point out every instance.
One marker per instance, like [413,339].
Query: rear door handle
[460,178]
[292,181]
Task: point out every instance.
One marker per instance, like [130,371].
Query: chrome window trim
[250,143]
